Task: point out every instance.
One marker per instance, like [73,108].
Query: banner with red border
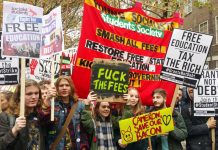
[128,35]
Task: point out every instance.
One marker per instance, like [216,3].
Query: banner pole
[22,87]
[0,104]
[213,137]
[52,84]
[174,97]
[61,60]
[149,143]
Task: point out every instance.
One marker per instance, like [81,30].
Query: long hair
[7,94]
[72,87]
[14,103]
[138,109]
[96,114]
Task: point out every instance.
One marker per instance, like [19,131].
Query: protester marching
[131,84]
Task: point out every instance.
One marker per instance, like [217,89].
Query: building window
[188,7]
[216,64]
[203,27]
[216,24]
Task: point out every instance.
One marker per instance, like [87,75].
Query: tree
[155,8]
[72,10]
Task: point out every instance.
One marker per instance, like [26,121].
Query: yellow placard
[146,125]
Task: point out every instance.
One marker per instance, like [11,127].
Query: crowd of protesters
[92,125]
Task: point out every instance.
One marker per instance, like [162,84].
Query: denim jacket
[60,115]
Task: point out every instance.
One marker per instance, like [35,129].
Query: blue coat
[53,128]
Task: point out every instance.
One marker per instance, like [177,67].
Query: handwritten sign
[109,77]
[146,125]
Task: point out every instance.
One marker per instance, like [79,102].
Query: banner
[9,69]
[124,34]
[186,57]
[146,125]
[52,35]
[206,94]
[22,26]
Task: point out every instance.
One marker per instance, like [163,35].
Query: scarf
[104,134]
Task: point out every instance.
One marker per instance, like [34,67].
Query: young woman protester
[5,96]
[98,124]
[66,101]
[22,133]
[133,108]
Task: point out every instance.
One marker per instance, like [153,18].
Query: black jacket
[22,140]
[199,137]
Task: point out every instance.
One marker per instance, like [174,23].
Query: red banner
[128,35]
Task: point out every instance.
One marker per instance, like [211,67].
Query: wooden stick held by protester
[52,84]
[22,88]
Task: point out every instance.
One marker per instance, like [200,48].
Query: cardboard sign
[128,35]
[186,56]
[206,94]
[109,78]
[22,28]
[146,125]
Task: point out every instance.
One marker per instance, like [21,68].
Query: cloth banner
[128,35]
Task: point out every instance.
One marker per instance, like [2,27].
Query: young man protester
[171,140]
[66,100]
